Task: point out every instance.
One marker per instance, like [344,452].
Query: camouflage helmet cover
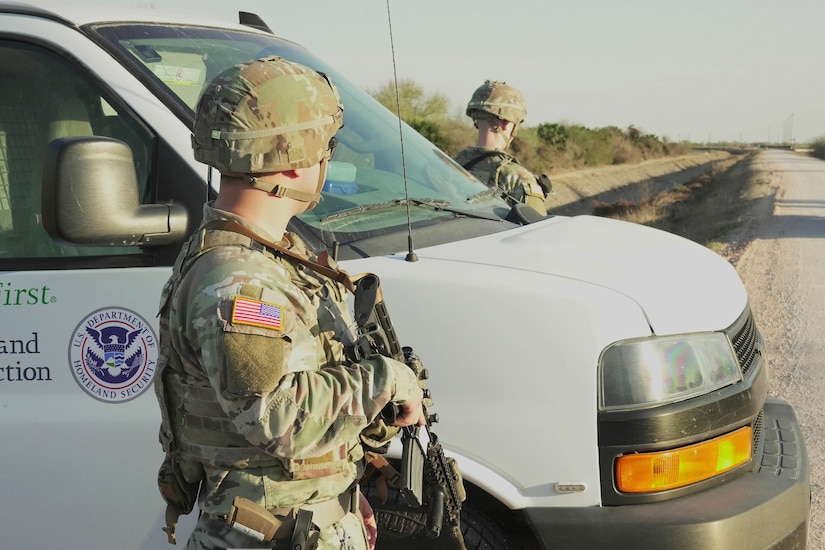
[266,115]
[497,99]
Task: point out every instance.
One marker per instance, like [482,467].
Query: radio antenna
[411,255]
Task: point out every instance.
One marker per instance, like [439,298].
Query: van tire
[403,528]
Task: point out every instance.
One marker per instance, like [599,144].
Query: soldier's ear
[294,173]
[506,126]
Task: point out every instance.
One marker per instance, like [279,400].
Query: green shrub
[625,152]
[818,148]
[554,135]
[430,130]
[457,135]
[596,145]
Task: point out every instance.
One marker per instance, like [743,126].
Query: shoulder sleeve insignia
[536,189]
[256,313]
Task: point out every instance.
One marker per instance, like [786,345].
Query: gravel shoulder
[781,267]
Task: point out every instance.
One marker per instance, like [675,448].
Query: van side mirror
[90,197]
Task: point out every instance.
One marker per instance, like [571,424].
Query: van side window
[45,97]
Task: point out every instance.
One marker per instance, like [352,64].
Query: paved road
[784,271]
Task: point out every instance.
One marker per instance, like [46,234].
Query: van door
[78,330]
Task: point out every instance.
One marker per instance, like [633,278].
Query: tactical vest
[486,166]
[195,429]
[499,169]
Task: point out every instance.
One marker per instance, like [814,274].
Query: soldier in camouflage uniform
[256,395]
[497,109]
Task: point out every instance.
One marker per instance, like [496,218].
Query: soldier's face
[323,168]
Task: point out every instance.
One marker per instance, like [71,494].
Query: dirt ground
[713,199]
[574,192]
[723,209]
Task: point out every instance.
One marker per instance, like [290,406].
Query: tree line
[544,148]
[818,148]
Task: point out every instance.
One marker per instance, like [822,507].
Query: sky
[706,70]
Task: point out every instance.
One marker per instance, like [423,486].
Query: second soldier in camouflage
[497,110]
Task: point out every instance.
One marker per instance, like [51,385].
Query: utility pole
[790,131]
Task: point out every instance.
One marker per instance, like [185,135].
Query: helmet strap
[288,192]
[322,177]
[509,138]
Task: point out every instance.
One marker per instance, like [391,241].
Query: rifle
[428,480]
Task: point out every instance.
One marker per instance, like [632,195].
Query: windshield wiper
[438,205]
[446,206]
[489,192]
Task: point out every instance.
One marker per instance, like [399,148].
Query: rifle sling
[470,163]
[336,275]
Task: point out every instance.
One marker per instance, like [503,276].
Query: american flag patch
[256,313]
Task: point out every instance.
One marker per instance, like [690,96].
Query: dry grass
[715,210]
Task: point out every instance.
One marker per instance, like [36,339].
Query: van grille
[747,341]
[757,427]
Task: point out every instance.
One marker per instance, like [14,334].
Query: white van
[601,384]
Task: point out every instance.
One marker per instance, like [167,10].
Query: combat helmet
[267,115]
[497,99]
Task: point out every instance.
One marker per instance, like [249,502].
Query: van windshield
[370,190]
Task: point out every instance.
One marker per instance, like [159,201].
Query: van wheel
[403,528]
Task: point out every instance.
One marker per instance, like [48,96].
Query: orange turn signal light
[649,472]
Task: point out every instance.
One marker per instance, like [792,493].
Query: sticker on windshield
[178,75]
[113,354]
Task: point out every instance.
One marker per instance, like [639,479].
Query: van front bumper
[768,508]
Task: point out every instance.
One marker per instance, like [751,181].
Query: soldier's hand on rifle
[411,412]
[369,519]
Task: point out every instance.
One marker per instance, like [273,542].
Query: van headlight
[652,371]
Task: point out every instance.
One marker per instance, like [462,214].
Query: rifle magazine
[413,459]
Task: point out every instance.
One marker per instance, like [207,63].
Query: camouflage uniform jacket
[253,377]
[501,169]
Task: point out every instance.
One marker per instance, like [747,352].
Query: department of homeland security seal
[113,353]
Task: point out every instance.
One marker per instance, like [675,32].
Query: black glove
[545,184]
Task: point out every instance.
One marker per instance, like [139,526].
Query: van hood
[679,285]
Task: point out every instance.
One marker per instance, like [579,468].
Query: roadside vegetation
[818,148]
[719,209]
[548,147]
